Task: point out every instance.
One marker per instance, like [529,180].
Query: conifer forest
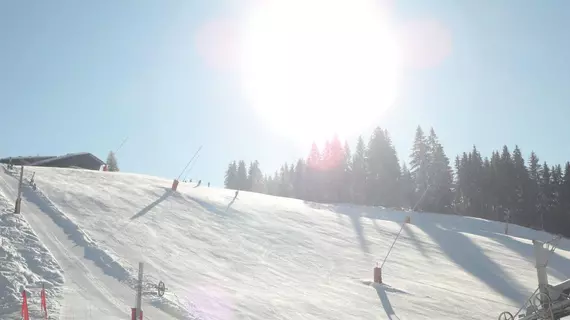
[504,186]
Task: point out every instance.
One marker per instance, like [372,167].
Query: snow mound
[25,264]
[264,257]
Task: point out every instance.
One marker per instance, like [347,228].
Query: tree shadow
[156,202]
[445,231]
[355,213]
[461,250]
[354,218]
[417,243]
[211,207]
[359,233]
[559,264]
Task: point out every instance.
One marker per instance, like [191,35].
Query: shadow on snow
[156,202]
[457,246]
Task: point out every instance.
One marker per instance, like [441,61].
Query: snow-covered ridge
[25,264]
[263,257]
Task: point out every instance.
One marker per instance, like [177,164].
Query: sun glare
[312,68]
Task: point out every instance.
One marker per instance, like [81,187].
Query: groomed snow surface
[260,257]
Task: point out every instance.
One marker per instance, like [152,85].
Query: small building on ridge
[82,160]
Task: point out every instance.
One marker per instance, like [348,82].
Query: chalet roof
[43,160]
[69,155]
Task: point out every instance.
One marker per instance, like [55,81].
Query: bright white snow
[265,257]
[24,264]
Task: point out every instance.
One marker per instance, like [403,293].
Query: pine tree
[419,166]
[325,165]
[255,178]
[521,186]
[336,170]
[439,195]
[493,190]
[546,195]
[383,170]
[407,187]
[270,187]
[393,172]
[347,175]
[112,164]
[292,177]
[534,169]
[470,180]
[230,181]
[488,197]
[285,188]
[299,181]
[241,183]
[557,216]
[507,182]
[313,175]
[359,172]
[564,201]
[458,198]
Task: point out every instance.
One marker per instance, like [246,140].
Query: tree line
[501,187]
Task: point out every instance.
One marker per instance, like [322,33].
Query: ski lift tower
[548,302]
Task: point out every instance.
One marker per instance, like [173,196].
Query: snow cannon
[549,301]
[174,184]
[377,274]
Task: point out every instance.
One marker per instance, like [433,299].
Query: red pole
[134,314]
[25,314]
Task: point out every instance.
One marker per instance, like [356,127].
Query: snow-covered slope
[24,264]
[265,257]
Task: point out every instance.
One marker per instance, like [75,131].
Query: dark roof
[83,160]
[25,160]
[69,155]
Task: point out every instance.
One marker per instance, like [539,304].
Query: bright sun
[312,68]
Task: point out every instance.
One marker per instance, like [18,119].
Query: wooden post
[19,198]
[174,184]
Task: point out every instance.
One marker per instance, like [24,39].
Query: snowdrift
[264,257]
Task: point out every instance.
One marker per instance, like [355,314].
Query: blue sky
[82,76]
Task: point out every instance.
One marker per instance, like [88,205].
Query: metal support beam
[541,256]
[138,302]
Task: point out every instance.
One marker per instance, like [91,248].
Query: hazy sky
[169,75]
